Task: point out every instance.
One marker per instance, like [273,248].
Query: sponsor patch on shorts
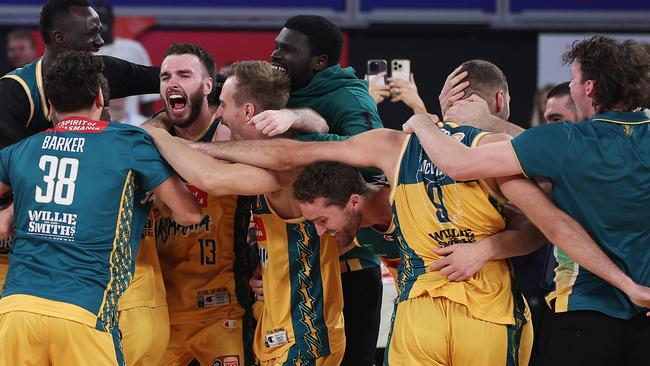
[276,339]
[228,360]
[213,297]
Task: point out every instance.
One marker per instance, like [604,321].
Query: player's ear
[500,99]
[249,111]
[52,114]
[207,86]
[99,99]
[319,62]
[354,200]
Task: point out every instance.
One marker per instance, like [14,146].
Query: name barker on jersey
[68,144]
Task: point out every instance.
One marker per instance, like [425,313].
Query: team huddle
[246,222]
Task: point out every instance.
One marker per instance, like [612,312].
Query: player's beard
[194,103]
[347,234]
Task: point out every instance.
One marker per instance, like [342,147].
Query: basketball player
[70,261]
[300,319]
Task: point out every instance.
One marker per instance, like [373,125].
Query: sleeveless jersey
[302,311]
[30,77]
[205,266]
[433,211]
[77,191]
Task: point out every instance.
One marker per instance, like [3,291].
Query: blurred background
[523,37]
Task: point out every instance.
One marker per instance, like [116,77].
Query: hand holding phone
[377,69]
[400,69]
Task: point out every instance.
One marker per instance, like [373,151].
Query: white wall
[553,45]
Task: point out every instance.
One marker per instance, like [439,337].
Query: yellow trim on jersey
[28,92]
[120,215]
[621,122]
[478,137]
[294,220]
[351,265]
[39,305]
[398,166]
[45,107]
[517,159]
[202,134]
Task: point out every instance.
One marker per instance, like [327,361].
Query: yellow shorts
[438,331]
[333,359]
[145,334]
[211,342]
[35,339]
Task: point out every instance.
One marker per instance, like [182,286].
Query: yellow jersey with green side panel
[433,211]
[301,317]
[205,266]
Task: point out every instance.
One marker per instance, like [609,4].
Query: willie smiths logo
[52,224]
[448,237]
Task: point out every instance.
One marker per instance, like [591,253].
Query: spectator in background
[125,49]
[559,104]
[398,90]
[21,47]
[539,104]
[119,113]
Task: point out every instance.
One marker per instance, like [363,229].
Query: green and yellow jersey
[301,316]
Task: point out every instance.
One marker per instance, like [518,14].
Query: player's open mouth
[279,68]
[177,102]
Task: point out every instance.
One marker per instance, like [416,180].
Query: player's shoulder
[462,133]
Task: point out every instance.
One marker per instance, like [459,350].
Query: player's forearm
[308,121]
[565,232]
[452,157]
[187,162]
[571,237]
[275,154]
[520,238]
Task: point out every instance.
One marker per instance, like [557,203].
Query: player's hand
[256,284]
[274,122]
[640,296]
[377,88]
[460,262]
[417,121]
[7,222]
[406,91]
[453,90]
[468,111]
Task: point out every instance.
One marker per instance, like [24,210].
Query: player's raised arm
[459,161]
[207,174]
[375,148]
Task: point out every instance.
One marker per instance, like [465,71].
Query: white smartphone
[377,69]
[400,69]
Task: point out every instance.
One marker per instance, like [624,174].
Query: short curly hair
[331,180]
[73,80]
[620,70]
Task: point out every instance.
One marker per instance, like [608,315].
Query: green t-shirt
[600,170]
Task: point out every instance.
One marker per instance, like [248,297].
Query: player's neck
[377,211]
[197,128]
[92,114]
